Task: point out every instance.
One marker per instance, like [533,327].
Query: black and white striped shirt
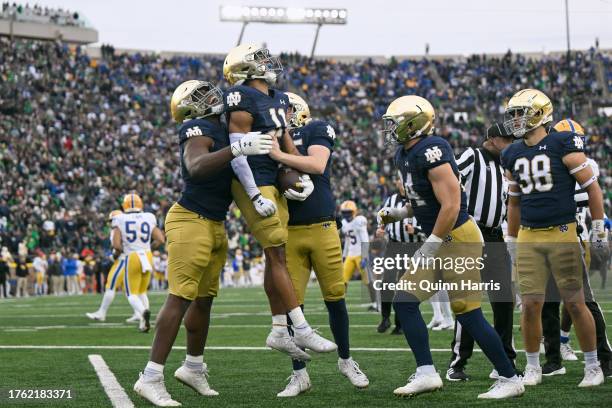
[398,231]
[486,186]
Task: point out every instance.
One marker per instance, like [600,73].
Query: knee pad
[277,237]
[334,292]
[459,306]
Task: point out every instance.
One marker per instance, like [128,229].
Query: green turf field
[250,377]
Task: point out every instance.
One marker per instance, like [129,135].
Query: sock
[426,369]
[194,363]
[145,300]
[447,312]
[152,370]
[487,338]
[564,337]
[407,309]
[339,325]
[590,358]
[437,310]
[300,370]
[136,304]
[279,323]
[108,298]
[533,359]
[297,317]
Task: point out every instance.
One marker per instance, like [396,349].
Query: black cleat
[146,315]
[456,374]
[397,330]
[606,367]
[549,369]
[384,325]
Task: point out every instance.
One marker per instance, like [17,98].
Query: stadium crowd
[78,132]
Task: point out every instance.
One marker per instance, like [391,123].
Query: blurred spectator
[55,274]
[4,273]
[70,269]
[40,269]
[23,271]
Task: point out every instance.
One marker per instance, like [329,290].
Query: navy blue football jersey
[547,188]
[413,164]
[320,203]
[268,112]
[211,197]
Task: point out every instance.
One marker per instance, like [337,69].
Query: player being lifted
[431,179]
[197,243]
[355,252]
[254,106]
[134,233]
[313,241]
[543,169]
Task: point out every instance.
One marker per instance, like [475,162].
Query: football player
[542,170]
[431,180]
[313,240]
[135,232]
[254,106]
[355,252]
[197,243]
[114,280]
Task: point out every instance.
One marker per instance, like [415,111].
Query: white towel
[144,261]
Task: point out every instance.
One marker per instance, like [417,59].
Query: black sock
[339,324]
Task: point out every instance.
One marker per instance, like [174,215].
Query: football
[287,179]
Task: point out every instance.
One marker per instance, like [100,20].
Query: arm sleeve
[243,171]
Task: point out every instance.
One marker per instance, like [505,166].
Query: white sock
[437,309]
[426,369]
[108,298]
[145,300]
[279,323]
[564,333]
[590,358]
[136,304]
[152,370]
[194,363]
[533,359]
[301,371]
[297,318]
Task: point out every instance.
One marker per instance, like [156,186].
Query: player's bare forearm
[447,217]
[117,242]
[596,206]
[200,163]
[158,238]
[313,163]
[514,216]
[448,193]
[287,144]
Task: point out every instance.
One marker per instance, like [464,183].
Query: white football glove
[387,215]
[511,246]
[252,143]
[429,249]
[263,206]
[307,189]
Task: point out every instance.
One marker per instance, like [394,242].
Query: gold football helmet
[132,203]
[113,214]
[196,99]
[408,117]
[348,209]
[568,125]
[251,61]
[526,110]
[301,112]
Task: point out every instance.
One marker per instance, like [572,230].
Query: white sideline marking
[113,389]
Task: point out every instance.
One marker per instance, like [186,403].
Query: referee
[403,231]
[486,188]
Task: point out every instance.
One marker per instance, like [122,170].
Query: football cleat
[299,383]
[312,340]
[444,325]
[419,383]
[494,375]
[504,388]
[282,342]
[134,319]
[434,323]
[196,380]
[96,316]
[145,323]
[549,369]
[456,374]
[606,368]
[567,353]
[384,325]
[532,375]
[154,391]
[593,376]
[350,369]
[397,330]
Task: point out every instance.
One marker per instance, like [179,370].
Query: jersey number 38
[534,174]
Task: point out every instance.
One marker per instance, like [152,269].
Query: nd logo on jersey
[233,98]
[433,154]
[193,131]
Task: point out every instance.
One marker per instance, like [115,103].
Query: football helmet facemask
[348,209]
[526,110]
[408,117]
[301,112]
[196,99]
[251,61]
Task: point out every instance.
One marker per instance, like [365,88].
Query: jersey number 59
[132,233]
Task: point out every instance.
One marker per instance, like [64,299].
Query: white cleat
[494,375]
[445,325]
[196,380]
[567,353]
[134,319]
[312,340]
[532,375]
[504,388]
[350,369]
[284,343]
[155,392]
[419,383]
[96,316]
[593,376]
[299,383]
[434,323]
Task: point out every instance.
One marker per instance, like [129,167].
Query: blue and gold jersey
[320,204]
[413,164]
[547,188]
[211,197]
[268,112]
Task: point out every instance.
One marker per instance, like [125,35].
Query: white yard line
[113,389]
